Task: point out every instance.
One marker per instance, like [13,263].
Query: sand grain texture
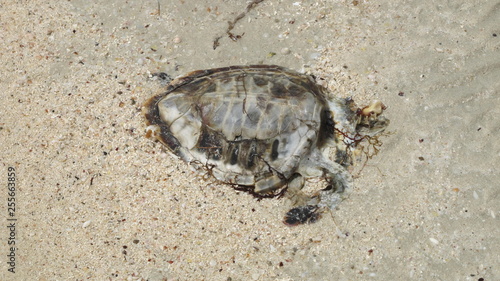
[96,200]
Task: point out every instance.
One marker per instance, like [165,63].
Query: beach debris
[302,215]
[264,129]
[232,24]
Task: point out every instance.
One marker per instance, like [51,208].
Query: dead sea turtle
[263,128]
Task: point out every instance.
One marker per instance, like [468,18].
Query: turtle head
[352,125]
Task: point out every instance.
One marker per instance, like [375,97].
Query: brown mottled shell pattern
[258,126]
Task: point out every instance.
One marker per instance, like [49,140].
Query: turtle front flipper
[339,183]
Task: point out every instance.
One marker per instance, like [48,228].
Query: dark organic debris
[301,215]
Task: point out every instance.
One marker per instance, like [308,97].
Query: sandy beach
[87,196]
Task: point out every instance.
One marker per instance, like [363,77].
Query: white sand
[97,200]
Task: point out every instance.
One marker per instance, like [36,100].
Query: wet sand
[96,199]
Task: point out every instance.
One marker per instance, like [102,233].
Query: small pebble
[85,224]
[285,51]
[177,40]
[272,249]
[474,194]
[433,240]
